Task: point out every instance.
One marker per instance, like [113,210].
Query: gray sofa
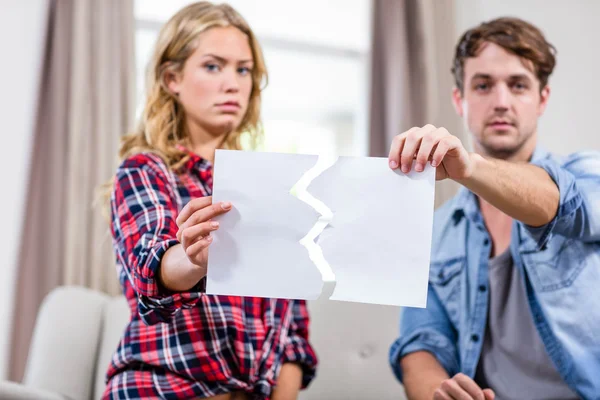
[78,329]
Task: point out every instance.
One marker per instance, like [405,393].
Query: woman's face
[216,81]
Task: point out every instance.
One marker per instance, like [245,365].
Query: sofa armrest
[17,391]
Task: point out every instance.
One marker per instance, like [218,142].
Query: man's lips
[501,124]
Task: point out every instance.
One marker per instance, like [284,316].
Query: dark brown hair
[514,35]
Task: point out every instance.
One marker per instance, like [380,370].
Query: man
[513,308]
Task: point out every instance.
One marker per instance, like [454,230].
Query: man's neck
[499,226]
[523,154]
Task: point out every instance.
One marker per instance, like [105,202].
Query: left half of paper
[266,256]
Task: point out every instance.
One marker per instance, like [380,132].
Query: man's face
[501,103]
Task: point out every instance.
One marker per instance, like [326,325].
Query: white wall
[570,122]
[22,31]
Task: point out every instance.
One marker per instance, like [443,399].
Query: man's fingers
[469,386]
[489,394]
[456,392]
[396,148]
[411,146]
[443,146]
[428,143]
[441,395]
[190,234]
[191,207]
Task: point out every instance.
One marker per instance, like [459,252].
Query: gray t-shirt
[514,362]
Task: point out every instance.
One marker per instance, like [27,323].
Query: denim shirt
[560,266]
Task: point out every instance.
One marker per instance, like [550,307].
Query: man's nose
[502,98]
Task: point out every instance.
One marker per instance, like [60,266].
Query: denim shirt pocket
[444,277]
[557,265]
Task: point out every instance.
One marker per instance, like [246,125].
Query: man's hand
[195,225]
[431,144]
[461,387]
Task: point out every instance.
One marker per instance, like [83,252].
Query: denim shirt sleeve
[578,215]
[427,329]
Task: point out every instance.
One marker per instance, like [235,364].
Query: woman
[203,94]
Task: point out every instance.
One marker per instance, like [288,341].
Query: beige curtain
[85,104]
[102,109]
[411,84]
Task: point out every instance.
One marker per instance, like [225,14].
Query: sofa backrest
[115,318]
[78,330]
[63,351]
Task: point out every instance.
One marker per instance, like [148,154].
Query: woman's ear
[172,80]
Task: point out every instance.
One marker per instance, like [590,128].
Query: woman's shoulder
[147,161]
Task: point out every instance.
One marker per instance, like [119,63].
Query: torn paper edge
[315,252]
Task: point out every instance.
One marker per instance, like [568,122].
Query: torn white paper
[369,230]
[379,240]
[257,251]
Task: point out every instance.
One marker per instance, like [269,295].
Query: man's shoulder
[578,159]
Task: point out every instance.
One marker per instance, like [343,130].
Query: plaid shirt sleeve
[144,210]
[297,347]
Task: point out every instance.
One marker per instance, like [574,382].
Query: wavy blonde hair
[162,124]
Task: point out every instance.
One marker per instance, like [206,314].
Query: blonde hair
[162,124]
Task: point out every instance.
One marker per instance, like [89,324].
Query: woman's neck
[203,143]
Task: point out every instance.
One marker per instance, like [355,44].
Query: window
[317,57]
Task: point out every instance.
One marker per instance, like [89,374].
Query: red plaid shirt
[184,345]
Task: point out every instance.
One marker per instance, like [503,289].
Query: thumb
[489,394]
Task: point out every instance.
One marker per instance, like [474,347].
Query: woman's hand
[195,226]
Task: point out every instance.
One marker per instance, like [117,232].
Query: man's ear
[544,97]
[457,99]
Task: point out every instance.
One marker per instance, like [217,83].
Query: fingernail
[393,164]
[214,224]
[209,238]
[433,163]
[226,206]
[404,169]
[419,167]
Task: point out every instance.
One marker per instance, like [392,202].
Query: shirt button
[482,288]
[486,242]
[475,338]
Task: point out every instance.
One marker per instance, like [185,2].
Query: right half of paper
[378,243]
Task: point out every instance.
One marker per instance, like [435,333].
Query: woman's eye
[211,67]
[244,70]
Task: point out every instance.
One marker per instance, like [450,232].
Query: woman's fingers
[205,214]
[188,235]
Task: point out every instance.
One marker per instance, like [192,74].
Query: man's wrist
[476,163]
